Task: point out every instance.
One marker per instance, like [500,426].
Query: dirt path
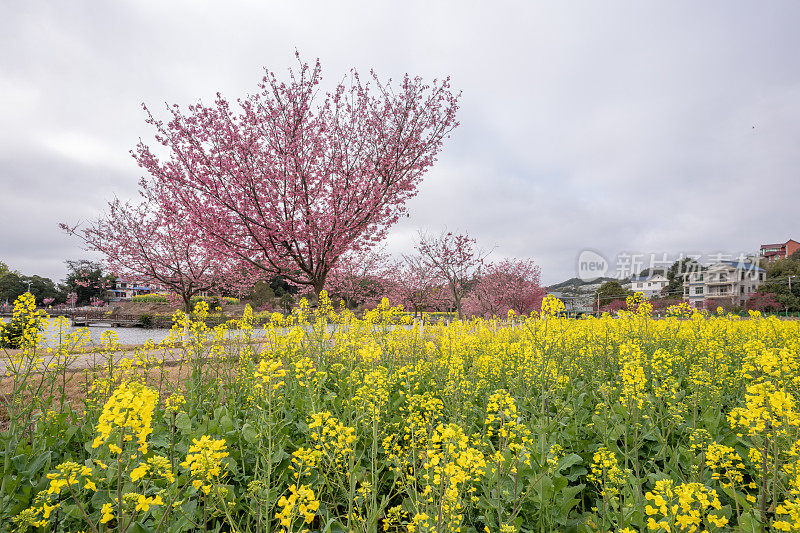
[88,360]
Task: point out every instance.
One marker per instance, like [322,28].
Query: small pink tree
[456,261]
[510,284]
[290,182]
[661,305]
[613,306]
[361,278]
[145,244]
[762,301]
[417,287]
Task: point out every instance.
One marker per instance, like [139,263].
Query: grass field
[688,423]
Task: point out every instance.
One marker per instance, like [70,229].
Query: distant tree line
[85,283]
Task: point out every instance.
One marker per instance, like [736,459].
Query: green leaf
[226,423]
[568,499]
[278,456]
[138,527]
[249,434]
[738,497]
[20,462]
[35,465]
[183,423]
[569,460]
[749,523]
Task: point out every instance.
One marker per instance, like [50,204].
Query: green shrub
[146,320]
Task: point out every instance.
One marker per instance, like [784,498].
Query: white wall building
[649,285]
[729,281]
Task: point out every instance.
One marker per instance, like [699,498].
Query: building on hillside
[773,252]
[125,289]
[649,285]
[723,281]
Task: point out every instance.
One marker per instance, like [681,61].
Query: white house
[729,281]
[649,285]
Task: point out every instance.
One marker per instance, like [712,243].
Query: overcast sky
[617,126]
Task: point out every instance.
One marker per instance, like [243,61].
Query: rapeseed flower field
[326,422]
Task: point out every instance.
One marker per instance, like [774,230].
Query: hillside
[579,286]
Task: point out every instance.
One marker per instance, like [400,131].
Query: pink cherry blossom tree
[361,278]
[418,287]
[456,261]
[510,284]
[289,179]
[614,306]
[762,301]
[142,243]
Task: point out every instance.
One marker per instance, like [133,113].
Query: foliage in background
[13,285]
[455,260]
[87,280]
[783,281]
[611,296]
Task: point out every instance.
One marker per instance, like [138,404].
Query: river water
[138,335]
[127,335]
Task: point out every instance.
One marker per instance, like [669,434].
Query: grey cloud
[612,126]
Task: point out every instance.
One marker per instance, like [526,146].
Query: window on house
[698,290]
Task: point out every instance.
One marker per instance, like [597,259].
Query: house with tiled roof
[773,252]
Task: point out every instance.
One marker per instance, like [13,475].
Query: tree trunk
[187,303]
[319,284]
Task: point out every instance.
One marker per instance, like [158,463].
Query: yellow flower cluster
[685,507]
[300,504]
[156,466]
[174,403]
[502,421]
[634,383]
[606,472]
[204,461]
[330,436]
[269,376]
[129,410]
[450,468]
[69,477]
[767,407]
[726,465]
[552,306]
